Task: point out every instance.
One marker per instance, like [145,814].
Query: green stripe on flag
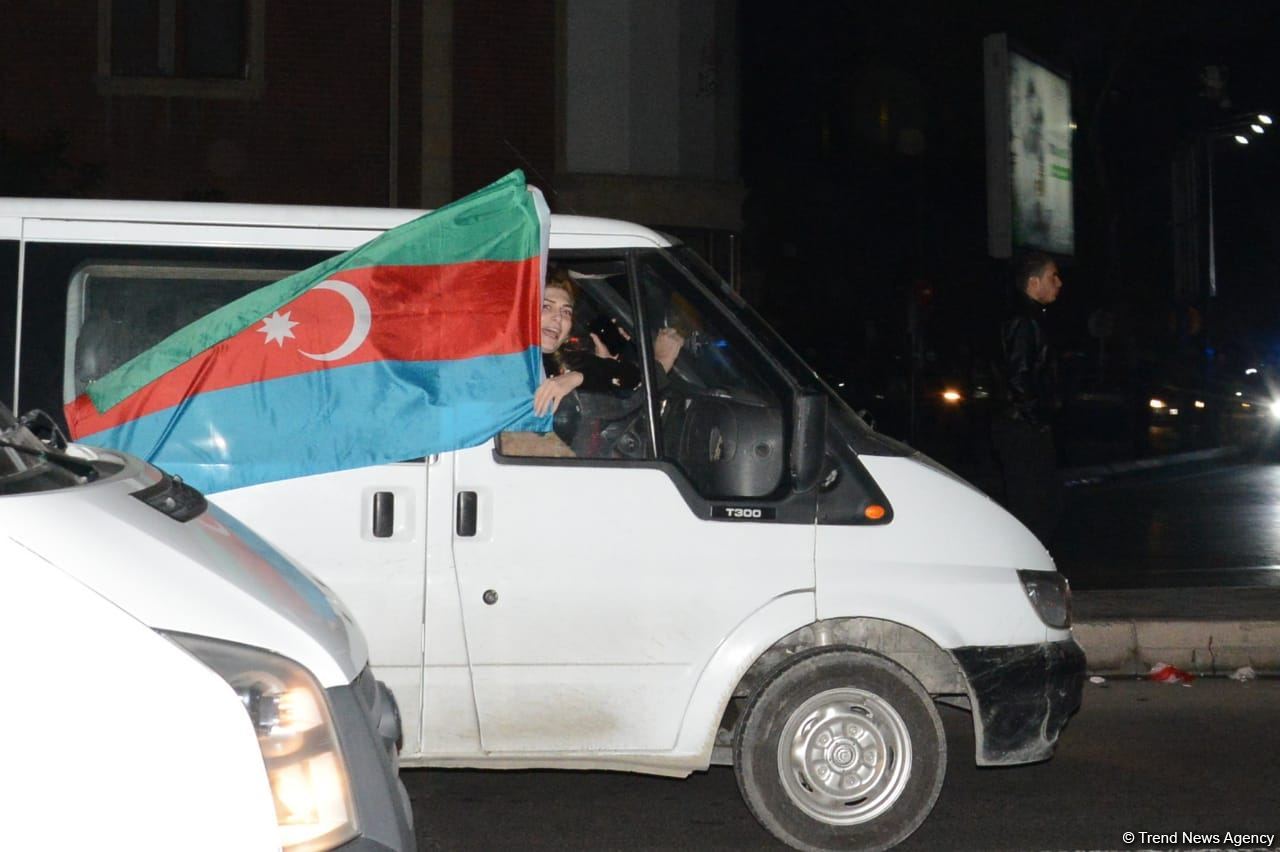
[499,222]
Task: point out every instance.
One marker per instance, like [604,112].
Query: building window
[181,48]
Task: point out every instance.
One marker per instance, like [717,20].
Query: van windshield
[27,465]
[760,330]
[772,342]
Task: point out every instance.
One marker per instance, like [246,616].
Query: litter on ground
[1165,673]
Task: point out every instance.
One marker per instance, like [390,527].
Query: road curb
[1131,646]
[1093,474]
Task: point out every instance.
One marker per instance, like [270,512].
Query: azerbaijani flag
[421,341]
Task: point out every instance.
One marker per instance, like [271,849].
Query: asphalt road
[1216,526]
[1138,757]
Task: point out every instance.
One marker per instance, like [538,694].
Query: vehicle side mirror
[808,440]
[45,428]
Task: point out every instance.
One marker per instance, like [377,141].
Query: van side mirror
[808,440]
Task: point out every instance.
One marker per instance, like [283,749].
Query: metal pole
[735,264]
[914,356]
[1213,260]
[393,109]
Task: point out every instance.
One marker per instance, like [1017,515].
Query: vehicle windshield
[26,464]
[764,333]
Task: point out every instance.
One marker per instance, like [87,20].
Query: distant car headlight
[290,714]
[1274,407]
[1050,595]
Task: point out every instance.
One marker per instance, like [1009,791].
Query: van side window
[70,288]
[116,311]
[607,418]
[720,420]
[8,314]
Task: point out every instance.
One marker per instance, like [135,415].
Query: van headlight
[299,743]
[1050,595]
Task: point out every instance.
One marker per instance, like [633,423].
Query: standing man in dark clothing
[1022,432]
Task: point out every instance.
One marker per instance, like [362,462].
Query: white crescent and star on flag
[278,326]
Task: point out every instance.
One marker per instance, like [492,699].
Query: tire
[838,720]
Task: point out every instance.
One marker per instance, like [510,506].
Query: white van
[177,684]
[725,566]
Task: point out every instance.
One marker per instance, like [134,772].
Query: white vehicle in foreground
[176,683]
[725,565]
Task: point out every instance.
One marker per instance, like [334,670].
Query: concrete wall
[651,88]
[649,94]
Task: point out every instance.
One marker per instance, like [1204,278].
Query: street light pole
[1256,122]
[1213,259]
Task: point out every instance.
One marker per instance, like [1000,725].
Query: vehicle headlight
[290,715]
[1050,595]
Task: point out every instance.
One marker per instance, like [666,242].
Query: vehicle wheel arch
[934,667]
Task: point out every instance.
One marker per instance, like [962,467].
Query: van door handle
[466,521]
[384,514]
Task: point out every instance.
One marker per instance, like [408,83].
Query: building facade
[624,108]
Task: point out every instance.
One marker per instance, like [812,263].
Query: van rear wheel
[841,750]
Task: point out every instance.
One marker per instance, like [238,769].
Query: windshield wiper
[79,467]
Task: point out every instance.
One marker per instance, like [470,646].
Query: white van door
[595,590]
[363,534]
[593,598]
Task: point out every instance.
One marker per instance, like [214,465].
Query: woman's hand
[666,348]
[602,351]
[547,398]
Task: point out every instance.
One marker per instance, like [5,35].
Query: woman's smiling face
[557,317]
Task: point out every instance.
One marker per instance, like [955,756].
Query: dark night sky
[841,209]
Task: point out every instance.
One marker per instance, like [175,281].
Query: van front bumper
[1022,696]
[368,726]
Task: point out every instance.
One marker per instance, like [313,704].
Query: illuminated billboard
[1029,167]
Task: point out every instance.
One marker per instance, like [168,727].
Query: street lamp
[1234,127]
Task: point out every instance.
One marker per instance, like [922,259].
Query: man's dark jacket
[1028,366]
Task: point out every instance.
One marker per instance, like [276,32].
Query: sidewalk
[1207,631]
[1094,474]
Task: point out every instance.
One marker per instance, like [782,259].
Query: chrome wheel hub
[844,756]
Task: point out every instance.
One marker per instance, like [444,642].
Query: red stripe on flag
[414,313]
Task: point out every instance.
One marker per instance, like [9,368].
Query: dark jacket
[1028,366]
[599,375]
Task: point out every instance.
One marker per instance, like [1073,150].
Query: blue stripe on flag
[347,417]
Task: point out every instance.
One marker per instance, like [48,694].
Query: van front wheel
[841,750]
